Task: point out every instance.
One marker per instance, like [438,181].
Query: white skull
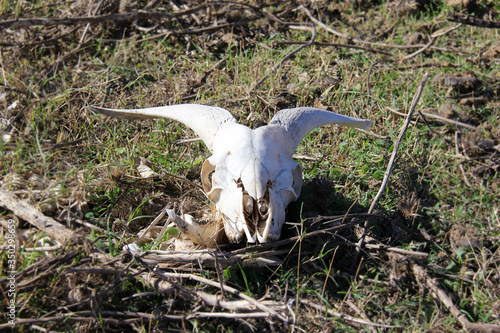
[251,176]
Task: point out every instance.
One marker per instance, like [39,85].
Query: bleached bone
[251,176]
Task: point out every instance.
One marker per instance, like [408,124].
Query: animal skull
[251,176]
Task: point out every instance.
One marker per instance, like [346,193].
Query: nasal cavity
[261,226]
[247,204]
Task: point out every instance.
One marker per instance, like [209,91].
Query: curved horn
[204,120]
[300,121]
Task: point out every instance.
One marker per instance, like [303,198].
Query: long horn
[300,121]
[204,120]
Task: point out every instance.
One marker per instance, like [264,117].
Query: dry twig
[53,21]
[423,278]
[390,165]
[471,20]
[285,58]
[344,36]
[344,316]
[210,259]
[259,305]
[397,143]
[432,39]
[438,118]
[30,214]
[356,47]
[414,54]
[457,150]
[397,250]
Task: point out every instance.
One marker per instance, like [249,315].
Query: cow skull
[251,176]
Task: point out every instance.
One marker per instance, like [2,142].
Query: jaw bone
[205,233]
[251,176]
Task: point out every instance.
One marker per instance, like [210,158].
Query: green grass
[121,66]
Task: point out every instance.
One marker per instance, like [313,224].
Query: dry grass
[440,212]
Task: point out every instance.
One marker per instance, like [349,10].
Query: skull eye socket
[207,171]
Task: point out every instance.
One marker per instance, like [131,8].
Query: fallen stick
[398,142]
[229,289]
[48,21]
[347,37]
[357,47]
[438,118]
[329,230]
[471,20]
[390,165]
[285,58]
[208,259]
[431,41]
[30,214]
[421,276]
[246,303]
[397,250]
[234,304]
[106,317]
[360,313]
[227,315]
[457,150]
[344,316]
[35,249]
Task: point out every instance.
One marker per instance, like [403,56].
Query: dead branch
[203,78]
[248,306]
[356,47]
[422,277]
[208,259]
[426,65]
[227,315]
[88,225]
[70,318]
[30,214]
[93,270]
[42,269]
[36,249]
[344,36]
[285,58]
[457,151]
[397,250]
[359,313]
[259,305]
[390,165]
[328,231]
[52,21]
[107,317]
[438,118]
[398,142]
[44,42]
[166,33]
[414,54]
[432,39]
[67,144]
[344,316]
[368,93]
[361,41]
[212,28]
[471,20]
[235,304]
